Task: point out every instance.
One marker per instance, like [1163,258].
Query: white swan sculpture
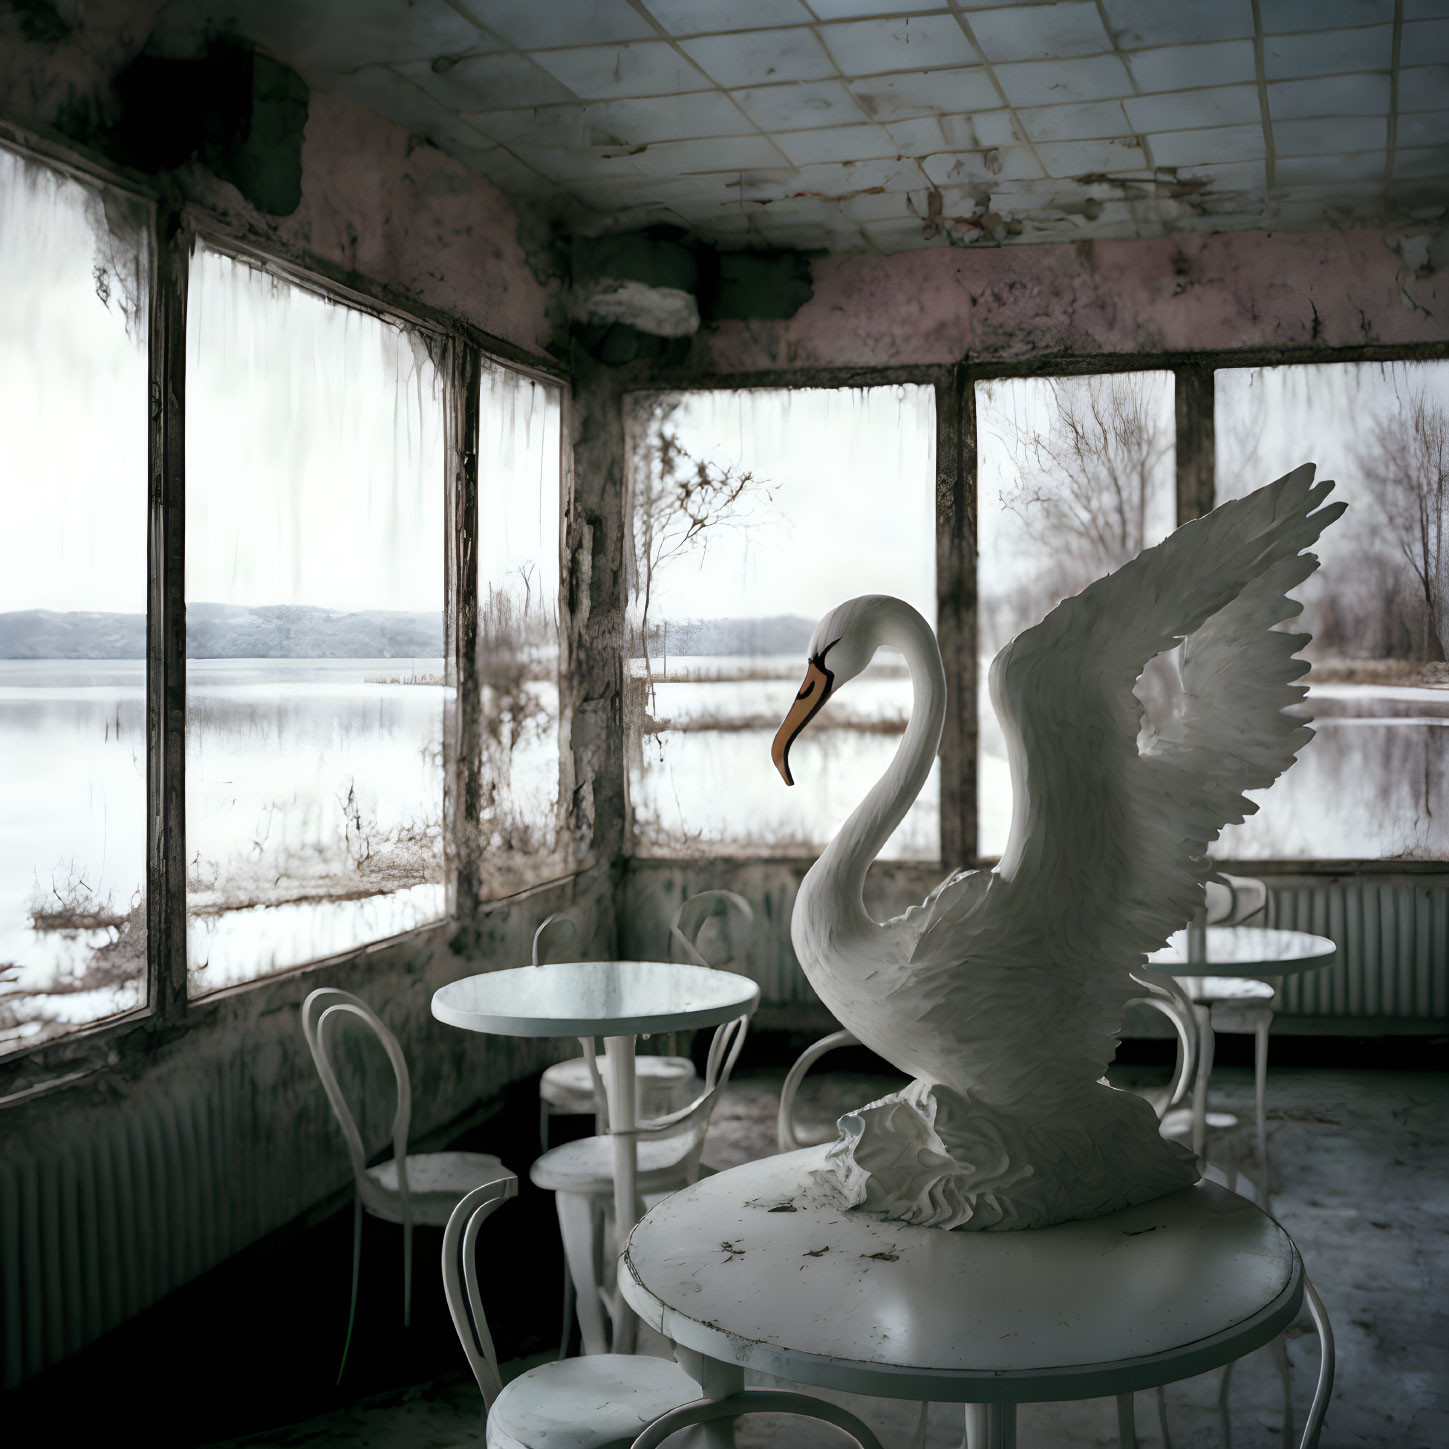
[1003,993]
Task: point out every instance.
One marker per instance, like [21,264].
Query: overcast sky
[850,475]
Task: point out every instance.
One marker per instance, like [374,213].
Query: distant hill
[779,634]
[228,631]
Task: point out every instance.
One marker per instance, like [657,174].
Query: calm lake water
[315,803]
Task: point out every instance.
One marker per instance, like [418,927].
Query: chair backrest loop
[688,938]
[323,1007]
[460,1280]
[559,918]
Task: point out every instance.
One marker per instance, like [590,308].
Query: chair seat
[662,1084]
[595,1402]
[436,1181]
[587,1166]
[1237,989]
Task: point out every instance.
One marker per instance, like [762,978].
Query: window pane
[754,513]
[1075,475]
[73,388]
[1372,783]
[315,693]
[519,529]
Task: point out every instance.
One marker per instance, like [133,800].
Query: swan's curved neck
[858,842]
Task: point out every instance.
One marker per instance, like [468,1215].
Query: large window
[73,407]
[753,513]
[1374,784]
[314,582]
[520,512]
[1075,476]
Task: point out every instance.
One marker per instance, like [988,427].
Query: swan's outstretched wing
[1111,823]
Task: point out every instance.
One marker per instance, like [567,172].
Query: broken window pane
[73,384]
[314,580]
[519,539]
[754,512]
[1075,475]
[1372,783]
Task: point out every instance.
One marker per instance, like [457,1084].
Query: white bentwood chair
[419,1188]
[600,1402]
[663,1084]
[581,1176]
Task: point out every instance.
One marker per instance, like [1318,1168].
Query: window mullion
[166,625]
[1193,394]
[463,724]
[956,610]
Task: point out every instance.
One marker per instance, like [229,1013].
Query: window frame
[460,350]
[1194,395]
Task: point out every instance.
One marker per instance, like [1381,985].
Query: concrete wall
[1175,294]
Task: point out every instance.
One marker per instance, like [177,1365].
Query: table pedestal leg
[990,1426]
[716,1381]
[619,1056]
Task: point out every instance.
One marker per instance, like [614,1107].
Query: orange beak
[808,703]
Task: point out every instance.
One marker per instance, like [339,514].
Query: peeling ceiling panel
[887,125]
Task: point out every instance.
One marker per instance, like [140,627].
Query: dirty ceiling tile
[902,235]
[887,206]
[488,82]
[672,159]
[757,56]
[1220,144]
[1329,52]
[1182,110]
[1421,161]
[646,119]
[564,126]
[1329,95]
[798,104]
[518,178]
[568,22]
[1040,32]
[1285,15]
[392,95]
[1330,135]
[1426,128]
[690,17]
[1085,78]
[986,168]
[1078,158]
[570,164]
[997,128]
[1137,24]
[1180,67]
[1083,121]
[1427,41]
[836,143]
[845,178]
[1292,170]
[604,72]
[910,42]
[918,93]
[927,134]
[1423,87]
[1235,176]
[854,9]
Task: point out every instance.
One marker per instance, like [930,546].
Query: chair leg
[1279,1349]
[1204,1015]
[1260,1084]
[1223,1388]
[356,1270]
[542,1125]
[576,1228]
[1162,1417]
[1126,1422]
[570,1297]
[407,1275]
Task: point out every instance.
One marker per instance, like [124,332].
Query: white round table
[1257,953]
[617,1000]
[754,1268]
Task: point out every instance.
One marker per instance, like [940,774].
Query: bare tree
[678,500]
[1086,482]
[1405,461]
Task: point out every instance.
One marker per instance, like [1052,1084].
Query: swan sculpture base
[933,1156]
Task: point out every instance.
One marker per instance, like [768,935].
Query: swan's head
[842,645]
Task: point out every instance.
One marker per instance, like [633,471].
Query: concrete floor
[1359,1178]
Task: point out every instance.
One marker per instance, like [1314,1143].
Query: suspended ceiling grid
[851,124]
